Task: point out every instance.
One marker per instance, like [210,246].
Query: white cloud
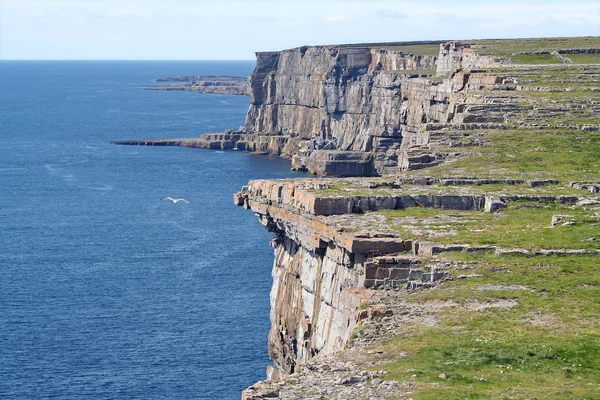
[335,18]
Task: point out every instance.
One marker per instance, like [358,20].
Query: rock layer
[351,96]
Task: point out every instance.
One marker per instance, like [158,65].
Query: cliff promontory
[205,84]
[470,269]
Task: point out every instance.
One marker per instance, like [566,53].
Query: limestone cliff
[350,97]
[354,111]
[322,269]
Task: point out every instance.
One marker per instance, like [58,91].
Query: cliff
[368,111]
[478,255]
[335,98]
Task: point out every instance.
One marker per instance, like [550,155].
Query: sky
[235,29]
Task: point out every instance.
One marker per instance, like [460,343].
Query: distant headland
[236,85]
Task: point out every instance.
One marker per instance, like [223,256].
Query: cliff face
[351,97]
[347,94]
[456,55]
[322,270]
[360,111]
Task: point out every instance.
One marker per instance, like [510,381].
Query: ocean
[107,292]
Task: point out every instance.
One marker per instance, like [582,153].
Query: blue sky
[234,29]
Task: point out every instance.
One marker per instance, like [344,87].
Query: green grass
[547,346]
[535,59]
[577,94]
[506,47]
[419,49]
[412,71]
[585,58]
[356,333]
[576,77]
[514,227]
[575,119]
[565,155]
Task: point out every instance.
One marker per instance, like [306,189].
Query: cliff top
[503,48]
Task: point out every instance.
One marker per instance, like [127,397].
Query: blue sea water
[105,290]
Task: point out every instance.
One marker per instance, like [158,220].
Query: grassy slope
[515,227]
[506,47]
[420,50]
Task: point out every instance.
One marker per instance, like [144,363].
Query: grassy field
[559,154]
[419,50]
[535,59]
[507,47]
[529,330]
[585,58]
[520,225]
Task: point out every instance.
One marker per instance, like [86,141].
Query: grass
[547,346]
[419,49]
[515,227]
[585,58]
[560,154]
[356,333]
[575,119]
[557,76]
[575,95]
[413,71]
[535,59]
[506,47]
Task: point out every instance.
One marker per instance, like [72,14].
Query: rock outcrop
[351,96]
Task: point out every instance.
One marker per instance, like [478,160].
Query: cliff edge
[471,267]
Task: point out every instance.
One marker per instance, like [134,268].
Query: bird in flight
[175,200]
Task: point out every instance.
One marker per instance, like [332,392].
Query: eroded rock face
[312,308]
[350,95]
[322,272]
[456,55]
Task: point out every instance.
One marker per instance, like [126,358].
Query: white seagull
[175,200]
